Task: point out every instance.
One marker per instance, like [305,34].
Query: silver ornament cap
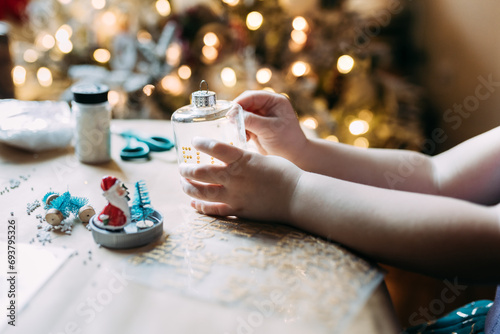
[204,98]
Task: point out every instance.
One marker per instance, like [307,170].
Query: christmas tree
[341,63]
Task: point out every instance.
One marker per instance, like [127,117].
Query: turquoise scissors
[139,147]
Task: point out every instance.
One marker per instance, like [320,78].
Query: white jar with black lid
[92,114]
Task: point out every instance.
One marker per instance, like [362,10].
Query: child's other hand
[249,185]
[272,123]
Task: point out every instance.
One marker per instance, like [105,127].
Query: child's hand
[272,123]
[249,185]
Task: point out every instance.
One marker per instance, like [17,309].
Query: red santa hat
[107,182]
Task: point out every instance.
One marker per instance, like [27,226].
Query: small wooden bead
[85,213]
[54,217]
[51,198]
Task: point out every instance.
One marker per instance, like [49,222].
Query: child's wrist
[296,199]
[299,151]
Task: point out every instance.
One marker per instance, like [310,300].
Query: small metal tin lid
[90,93]
[204,98]
[130,236]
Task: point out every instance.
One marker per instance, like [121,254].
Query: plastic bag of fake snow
[35,126]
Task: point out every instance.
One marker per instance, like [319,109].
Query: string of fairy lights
[105,20]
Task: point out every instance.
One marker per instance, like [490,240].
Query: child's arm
[470,171]
[273,125]
[438,235]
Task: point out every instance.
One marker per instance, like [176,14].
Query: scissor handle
[134,150]
[159,144]
[155,143]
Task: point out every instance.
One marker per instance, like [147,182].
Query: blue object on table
[469,319]
[138,147]
[134,150]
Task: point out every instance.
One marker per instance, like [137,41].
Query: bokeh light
[332,138]
[30,56]
[310,122]
[254,20]
[98,4]
[172,84]
[299,37]
[113,97]
[211,39]
[148,90]
[184,72]
[163,7]
[210,53]
[231,2]
[228,76]
[299,23]
[345,64]
[263,75]
[19,75]
[359,127]
[109,18]
[65,46]
[300,68]
[361,142]
[102,55]
[44,76]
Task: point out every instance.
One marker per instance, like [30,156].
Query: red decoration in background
[13,10]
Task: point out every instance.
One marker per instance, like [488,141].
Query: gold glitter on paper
[241,263]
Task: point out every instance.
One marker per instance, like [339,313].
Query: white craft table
[204,275]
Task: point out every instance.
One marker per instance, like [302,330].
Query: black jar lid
[90,93]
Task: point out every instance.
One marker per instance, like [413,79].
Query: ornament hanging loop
[206,85]
[204,98]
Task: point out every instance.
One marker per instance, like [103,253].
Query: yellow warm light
[102,55]
[174,53]
[172,84]
[113,97]
[263,75]
[300,68]
[254,20]
[47,42]
[65,46]
[209,52]
[143,36]
[30,56]
[44,76]
[211,39]
[361,142]
[63,33]
[299,37]
[310,122]
[294,47]
[64,2]
[163,7]
[366,115]
[332,138]
[109,18]
[228,76]
[184,72]
[19,75]
[148,90]
[358,127]
[98,4]
[345,64]
[269,89]
[231,2]
[299,23]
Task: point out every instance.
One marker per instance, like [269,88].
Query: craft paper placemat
[274,269]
